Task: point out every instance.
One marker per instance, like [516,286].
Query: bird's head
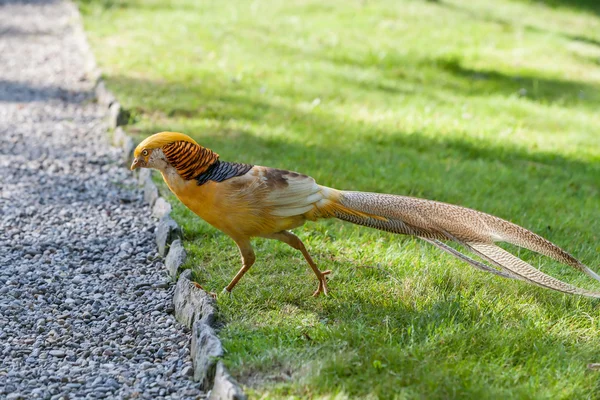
[173,149]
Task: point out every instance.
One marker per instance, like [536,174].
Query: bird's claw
[322,284]
[211,294]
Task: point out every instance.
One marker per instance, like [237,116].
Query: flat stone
[175,258]
[191,303]
[113,115]
[195,308]
[161,285]
[143,174]
[150,191]
[225,387]
[128,145]
[205,350]
[118,136]
[166,232]
[104,97]
[161,208]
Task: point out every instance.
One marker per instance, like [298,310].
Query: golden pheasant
[246,201]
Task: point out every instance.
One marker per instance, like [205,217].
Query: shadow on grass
[396,71]
[535,29]
[591,6]
[543,90]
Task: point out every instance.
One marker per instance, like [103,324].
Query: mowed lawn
[490,105]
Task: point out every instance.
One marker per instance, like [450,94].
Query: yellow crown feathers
[161,139]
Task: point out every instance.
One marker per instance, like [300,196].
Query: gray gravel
[85,304]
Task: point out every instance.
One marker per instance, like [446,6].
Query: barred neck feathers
[222,170]
[189,159]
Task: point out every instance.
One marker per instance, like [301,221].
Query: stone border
[194,307]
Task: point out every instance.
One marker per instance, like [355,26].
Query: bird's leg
[248,259]
[295,242]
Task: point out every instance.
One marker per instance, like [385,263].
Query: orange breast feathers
[261,202]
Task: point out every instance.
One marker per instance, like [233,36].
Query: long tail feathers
[435,222]
[515,265]
[479,265]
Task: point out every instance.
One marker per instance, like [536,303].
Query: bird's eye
[145,152]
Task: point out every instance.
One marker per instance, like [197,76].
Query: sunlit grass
[491,105]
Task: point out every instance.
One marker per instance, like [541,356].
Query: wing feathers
[290,211]
[289,194]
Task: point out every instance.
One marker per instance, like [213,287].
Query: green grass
[491,105]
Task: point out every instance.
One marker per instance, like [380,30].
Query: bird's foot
[211,294]
[322,284]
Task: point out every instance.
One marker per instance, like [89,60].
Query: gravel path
[85,303]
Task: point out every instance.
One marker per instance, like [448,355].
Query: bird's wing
[287,193]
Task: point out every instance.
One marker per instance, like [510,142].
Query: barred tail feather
[501,257]
[479,265]
[435,222]
[519,236]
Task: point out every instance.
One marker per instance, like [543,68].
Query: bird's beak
[138,163]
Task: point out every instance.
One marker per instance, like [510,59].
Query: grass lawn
[490,105]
